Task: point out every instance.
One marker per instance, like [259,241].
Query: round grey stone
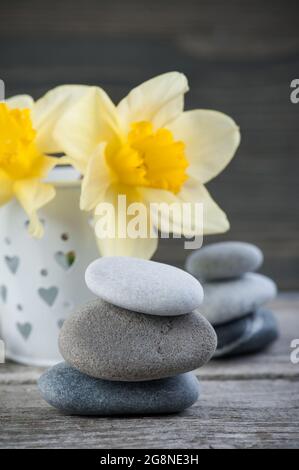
[227,300]
[144,286]
[225,260]
[108,342]
[71,392]
[259,330]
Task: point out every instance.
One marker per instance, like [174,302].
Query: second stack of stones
[234,296]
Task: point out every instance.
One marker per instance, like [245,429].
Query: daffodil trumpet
[150,150]
[26,143]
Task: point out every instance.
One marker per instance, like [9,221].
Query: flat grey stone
[231,332]
[227,300]
[259,330]
[108,342]
[71,392]
[144,286]
[225,260]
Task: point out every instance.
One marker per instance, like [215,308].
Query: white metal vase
[42,281]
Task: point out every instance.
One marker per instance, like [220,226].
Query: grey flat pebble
[71,392]
[108,342]
[260,329]
[144,286]
[227,300]
[225,260]
[231,332]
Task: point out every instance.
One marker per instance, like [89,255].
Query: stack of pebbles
[131,350]
[234,296]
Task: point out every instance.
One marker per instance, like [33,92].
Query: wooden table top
[249,402]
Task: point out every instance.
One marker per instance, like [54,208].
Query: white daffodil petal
[20,101]
[138,248]
[214,219]
[159,100]
[6,188]
[171,216]
[120,242]
[90,121]
[165,209]
[96,180]
[169,112]
[32,195]
[211,139]
[49,109]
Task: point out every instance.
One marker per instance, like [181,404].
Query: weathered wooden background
[240,57]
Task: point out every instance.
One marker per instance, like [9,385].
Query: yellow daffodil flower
[148,149]
[25,144]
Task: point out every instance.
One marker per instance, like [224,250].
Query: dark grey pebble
[75,393]
[247,335]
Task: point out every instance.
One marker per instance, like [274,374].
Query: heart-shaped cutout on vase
[48,295]
[3,293]
[12,263]
[65,260]
[60,323]
[25,329]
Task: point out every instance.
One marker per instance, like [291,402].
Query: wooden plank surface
[240,57]
[235,414]
[251,402]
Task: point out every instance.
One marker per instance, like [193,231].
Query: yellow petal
[96,180]
[32,195]
[139,248]
[48,109]
[6,188]
[159,100]
[214,219]
[166,215]
[118,246]
[20,101]
[90,121]
[211,140]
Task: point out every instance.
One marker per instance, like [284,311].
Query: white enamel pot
[42,281]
